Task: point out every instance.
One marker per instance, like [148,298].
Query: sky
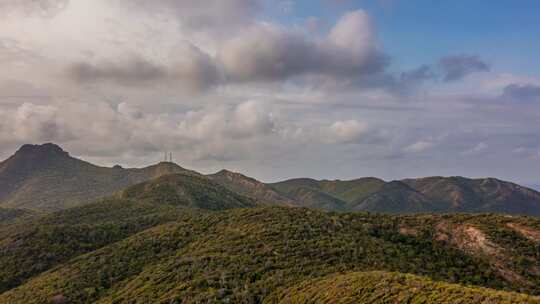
[332,89]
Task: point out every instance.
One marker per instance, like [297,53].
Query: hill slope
[351,192]
[46,178]
[384,287]
[36,245]
[246,255]
[251,187]
[395,197]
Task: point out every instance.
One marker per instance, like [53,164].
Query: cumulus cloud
[212,15]
[30,122]
[476,149]
[348,131]
[521,92]
[190,68]
[269,52]
[459,66]
[133,72]
[419,146]
[13,52]
[224,80]
[242,121]
[212,131]
[42,8]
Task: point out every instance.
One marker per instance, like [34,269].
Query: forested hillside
[249,255]
[387,287]
[34,245]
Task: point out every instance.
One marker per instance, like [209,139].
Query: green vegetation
[351,192]
[9,215]
[247,255]
[32,247]
[187,190]
[384,287]
[244,185]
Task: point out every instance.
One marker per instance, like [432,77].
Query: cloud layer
[249,85]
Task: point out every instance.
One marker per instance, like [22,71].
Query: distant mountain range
[422,195]
[46,178]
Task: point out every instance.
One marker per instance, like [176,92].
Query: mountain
[187,190]
[272,254]
[36,245]
[249,186]
[422,195]
[395,197]
[347,191]
[46,178]
[307,192]
[383,287]
[459,194]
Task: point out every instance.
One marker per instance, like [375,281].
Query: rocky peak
[48,149]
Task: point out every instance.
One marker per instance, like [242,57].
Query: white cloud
[419,146]
[41,8]
[30,122]
[478,148]
[270,52]
[348,131]
[212,15]
[126,128]
[191,69]
[223,80]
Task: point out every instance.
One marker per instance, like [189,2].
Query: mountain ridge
[414,195]
[36,244]
[46,178]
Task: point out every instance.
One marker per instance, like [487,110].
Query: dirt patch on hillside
[408,231]
[473,241]
[531,234]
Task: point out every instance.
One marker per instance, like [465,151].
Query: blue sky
[415,32]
